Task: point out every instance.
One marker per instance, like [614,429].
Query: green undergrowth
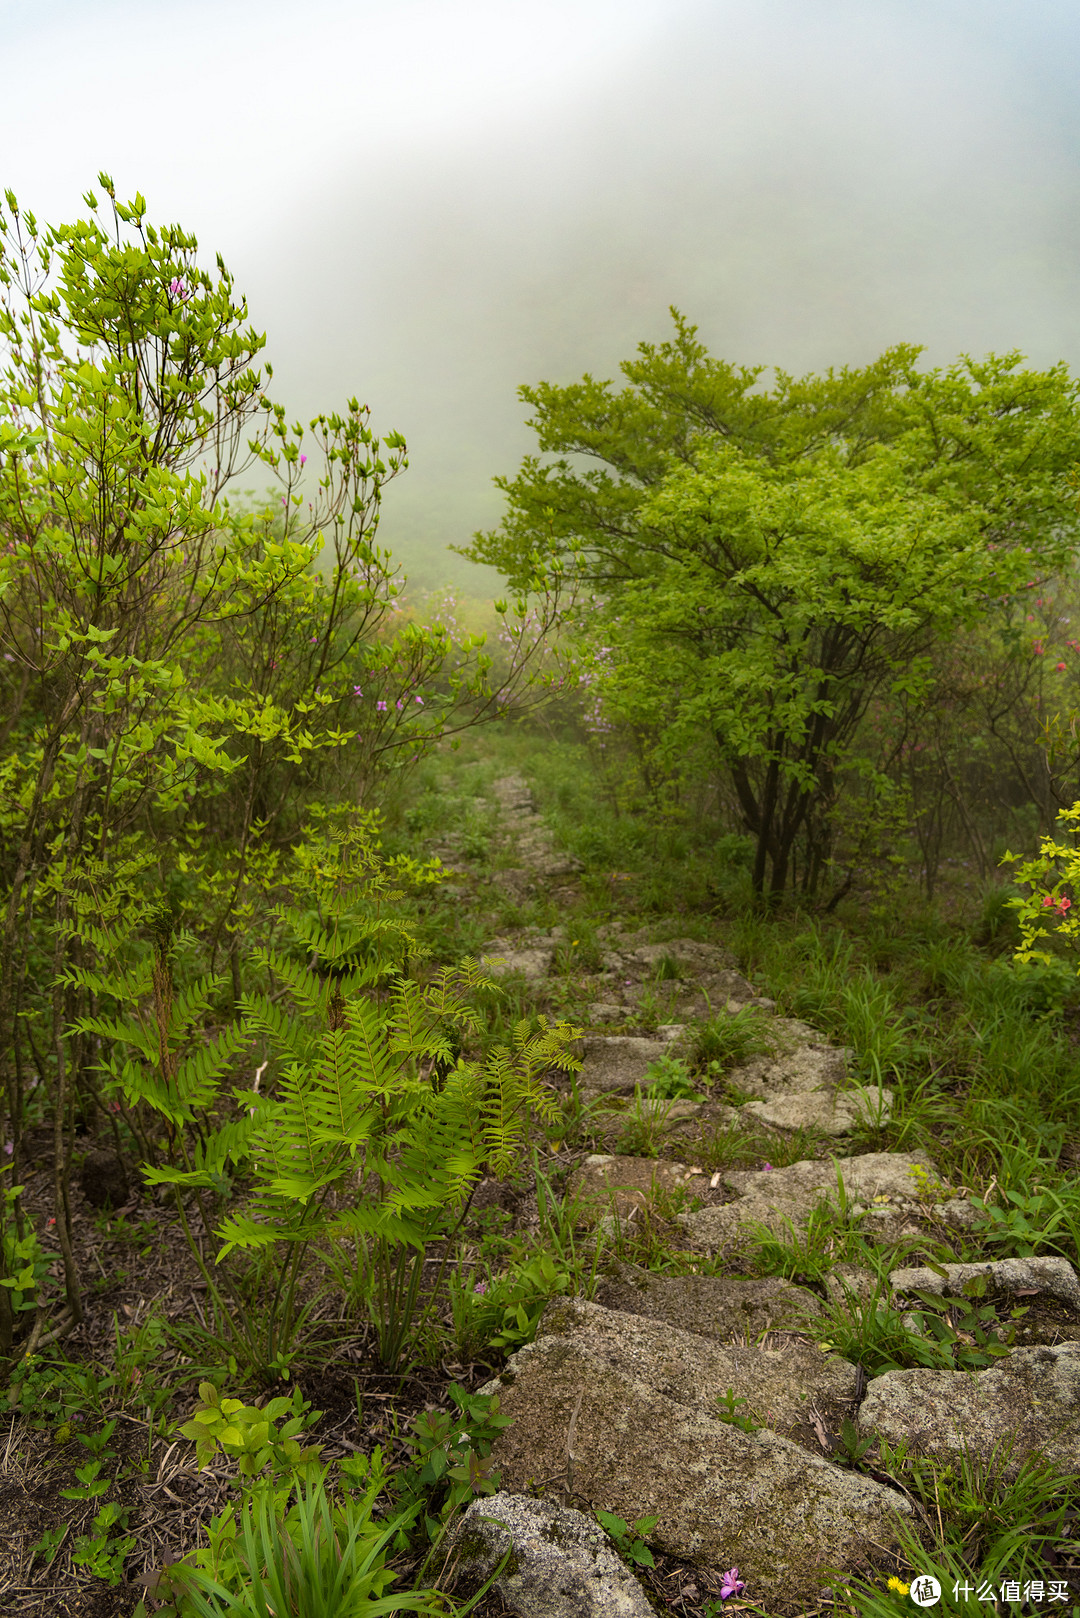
[977,1051]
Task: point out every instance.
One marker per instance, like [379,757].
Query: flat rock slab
[1053,1275]
[1046,1288]
[850,1283]
[774,1197]
[615,1064]
[602,1011]
[711,995]
[691,957]
[562,1564]
[514,882]
[612,1184]
[789,1034]
[533,964]
[827,1112]
[722,1496]
[1029,1402]
[798,1072]
[779,1384]
[514,794]
[725,1308]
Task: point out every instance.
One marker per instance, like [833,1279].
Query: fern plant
[372,1126]
[156,1066]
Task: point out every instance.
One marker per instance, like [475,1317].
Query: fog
[430,202]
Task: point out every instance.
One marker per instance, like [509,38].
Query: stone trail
[626,1403]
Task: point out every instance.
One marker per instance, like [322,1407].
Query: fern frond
[145,1083]
[366,1039]
[375,1219]
[238,1230]
[414,1029]
[311,994]
[126,1032]
[128,984]
[229,1143]
[190,1003]
[288,1143]
[345,1081]
[195,1081]
[287,1035]
[169,1176]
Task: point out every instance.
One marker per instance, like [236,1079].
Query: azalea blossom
[732,1585]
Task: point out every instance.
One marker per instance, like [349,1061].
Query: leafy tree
[164,650]
[752,564]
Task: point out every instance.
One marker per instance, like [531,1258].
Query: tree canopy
[753,562]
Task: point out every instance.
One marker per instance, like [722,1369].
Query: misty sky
[428,202]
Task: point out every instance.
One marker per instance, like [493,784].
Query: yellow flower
[897,1585]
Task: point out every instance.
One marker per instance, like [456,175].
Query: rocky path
[716,1403]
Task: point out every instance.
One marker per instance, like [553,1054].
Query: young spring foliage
[1046,911]
[175,668]
[755,563]
[372,1125]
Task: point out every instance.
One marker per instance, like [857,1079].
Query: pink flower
[303,458]
[357,691]
[1063,905]
[420,700]
[1037,648]
[1048,901]
[1060,667]
[380,707]
[732,1584]
[178,289]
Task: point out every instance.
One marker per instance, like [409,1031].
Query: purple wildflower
[732,1584]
